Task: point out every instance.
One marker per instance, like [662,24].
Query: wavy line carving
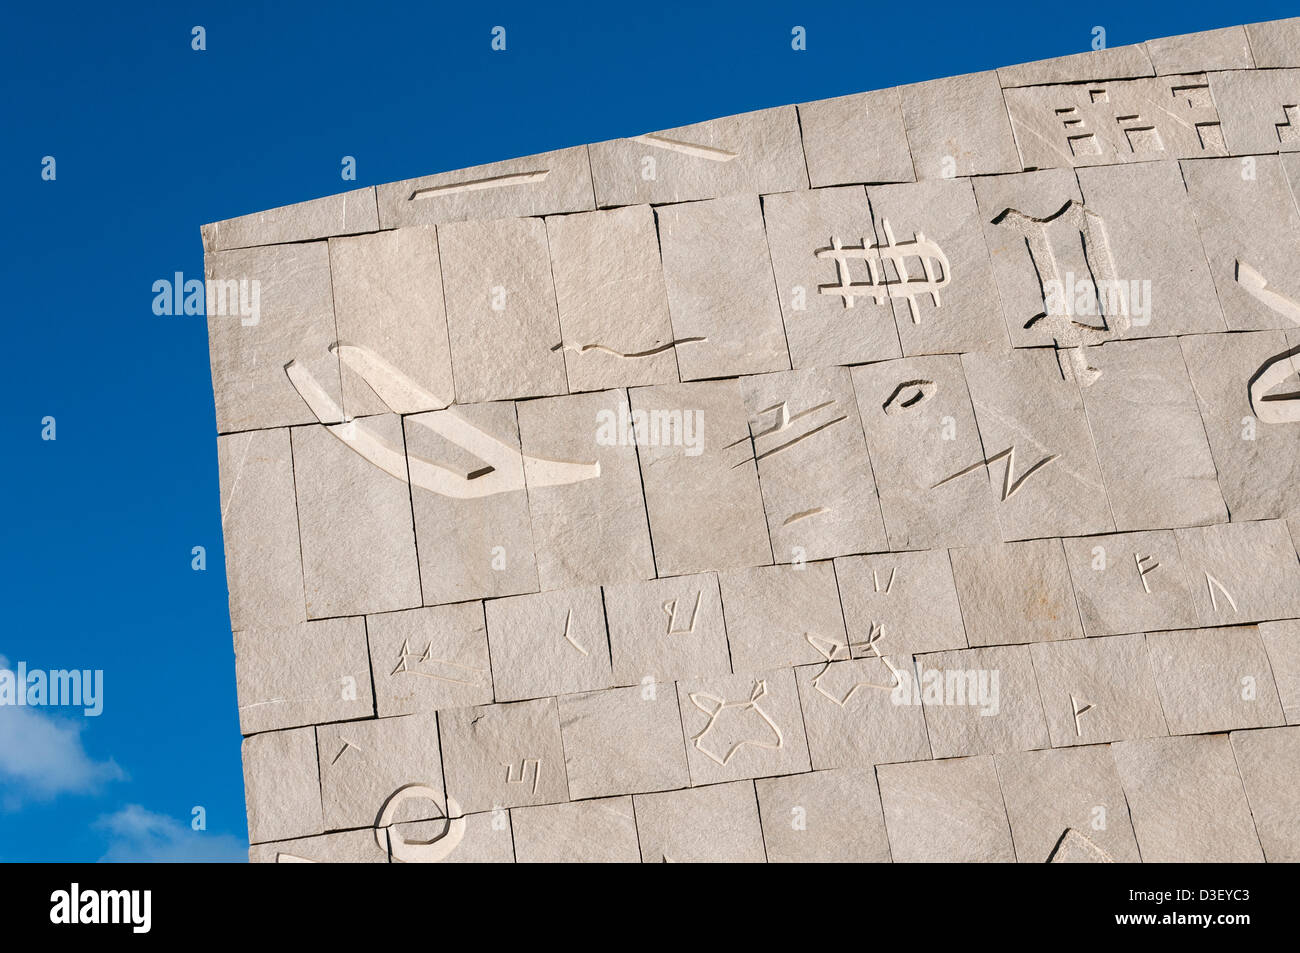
[649,352]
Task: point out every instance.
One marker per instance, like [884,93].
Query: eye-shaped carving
[907,395]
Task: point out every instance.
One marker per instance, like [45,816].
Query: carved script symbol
[880,286]
[523,772]
[692,149]
[1078,710]
[784,420]
[346,745]
[1140,135]
[626,355]
[1056,317]
[1073,845]
[420,852]
[830,649]
[1256,285]
[1211,583]
[504,467]
[1081,142]
[1009,484]
[395,844]
[875,580]
[1275,408]
[405,655]
[907,395]
[477,185]
[1143,570]
[670,609]
[1289,131]
[568,634]
[1268,407]
[734,715]
[1126,120]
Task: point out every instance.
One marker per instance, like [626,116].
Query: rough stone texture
[388,301]
[1275,43]
[1282,642]
[1096,690]
[363,763]
[501,312]
[752,152]
[721,294]
[822,326]
[1246,216]
[609,286]
[1260,108]
[302,674]
[1145,422]
[1049,482]
[921,430]
[910,598]
[543,184]
[717,824]
[826,817]
[742,726]
[1129,120]
[625,739]
[1186,800]
[487,838]
[429,658]
[941,216]
[281,785]
[1015,592]
[1152,239]
[343,847]
[472,546]
[666,629]
[1241,572]
[1269,762]
[779,615]
[1258,463]
[945,811]
[699,477]
[548,643]
[259,519]
[498,756]
[1057,796]
[1226,49]
[584,832]
[1113,62]
[1077,848]
[853,715]
[1021,280]
[590,530]
[981,701]
[1214,680]
[1016,538]
[344,214]
[1130,582]
[857,138]
[286,290]
[358,543]
[958,126]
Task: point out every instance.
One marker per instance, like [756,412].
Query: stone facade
[912,476]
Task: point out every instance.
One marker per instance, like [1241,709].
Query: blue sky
[153,139]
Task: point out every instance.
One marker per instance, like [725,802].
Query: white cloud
[140,835]
[41,755]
